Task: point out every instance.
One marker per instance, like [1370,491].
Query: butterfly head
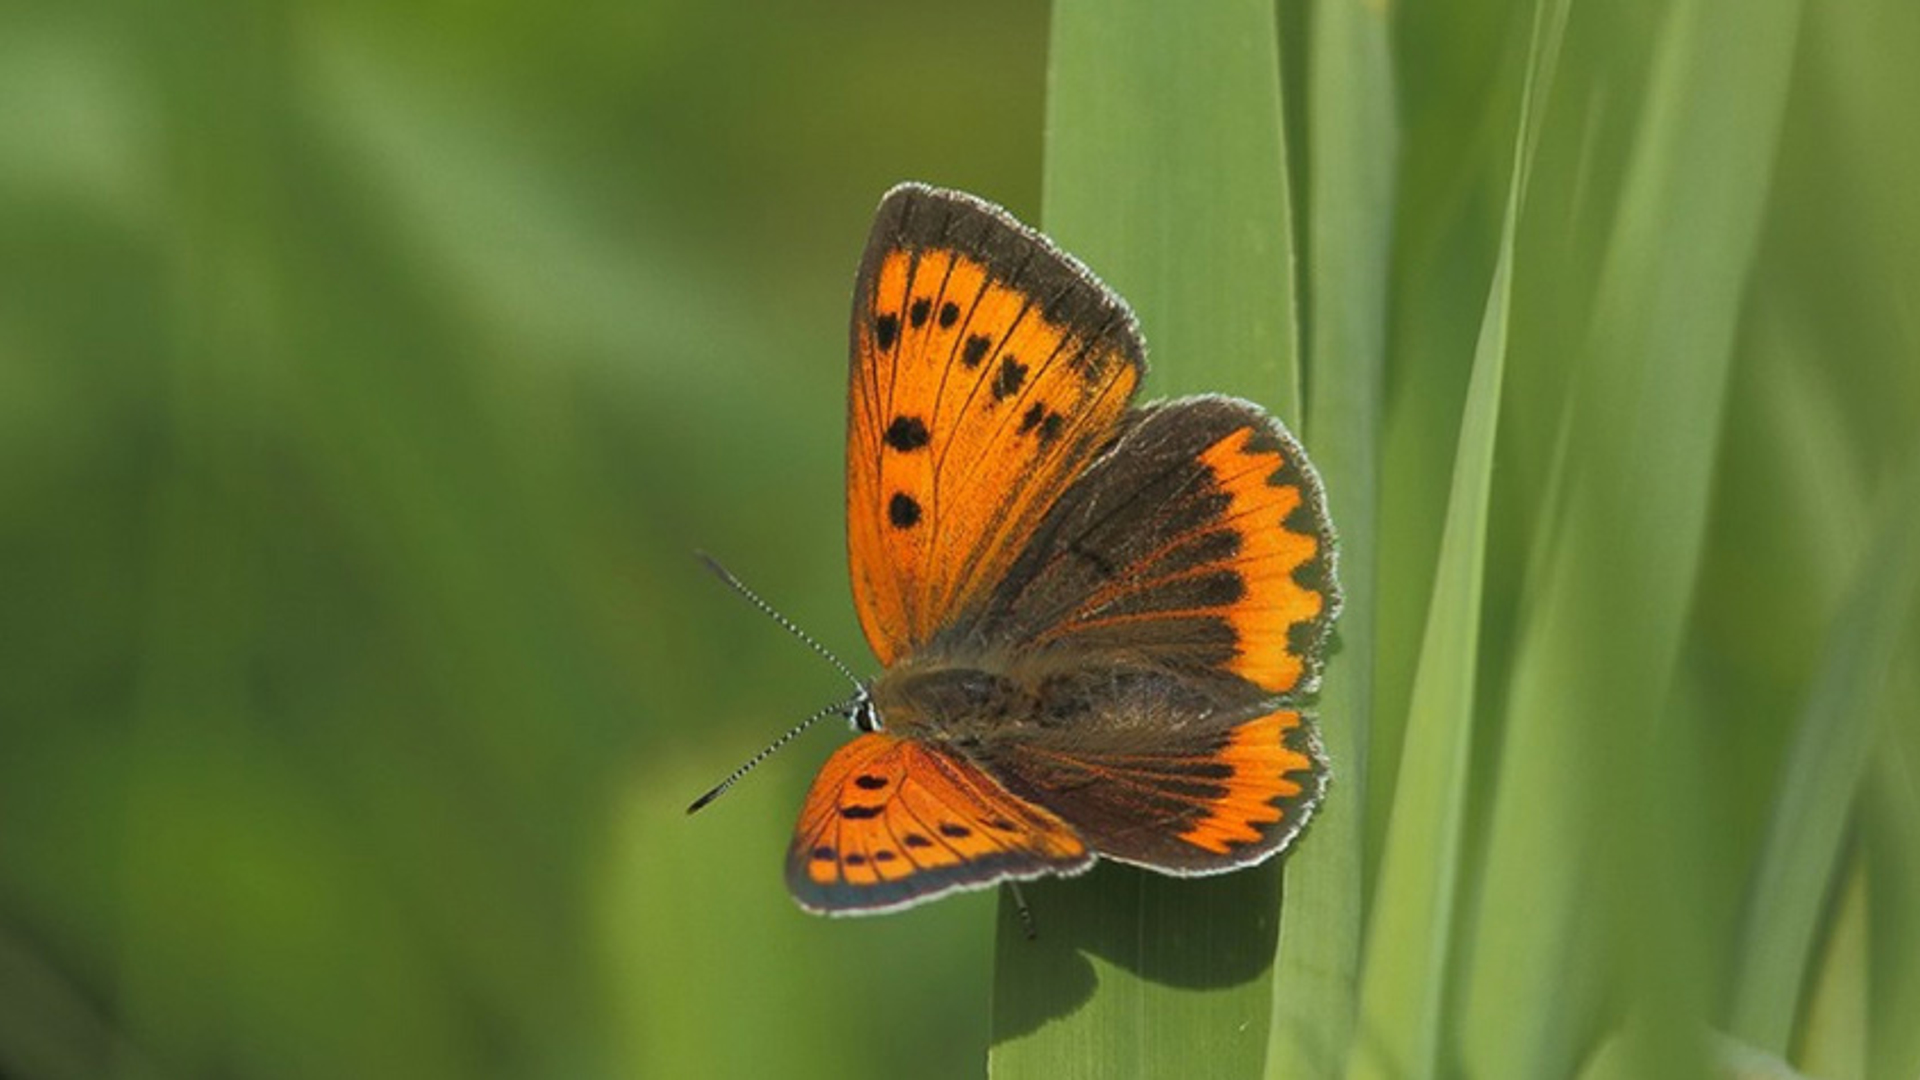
[862,713]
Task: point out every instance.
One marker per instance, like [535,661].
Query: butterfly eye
[864,716]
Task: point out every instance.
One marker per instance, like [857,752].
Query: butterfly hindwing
[1193,799]
[988,367]
[1198,545]
[892,822]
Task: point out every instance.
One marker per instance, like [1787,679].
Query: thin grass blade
[1824,770]
[1352,137]
[1409,935]
[1581,782]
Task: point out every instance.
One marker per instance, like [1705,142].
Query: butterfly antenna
[753,598]
[843,708]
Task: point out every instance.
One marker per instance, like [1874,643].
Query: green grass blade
[1618,1057]
[1410,933]
[1829,757]
[1187,220]
[1602,634]
[1891,831]
[1137,974]
[1836,1042]
[1352,137]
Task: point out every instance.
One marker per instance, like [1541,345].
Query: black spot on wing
[1011,375]
[902,511]
[915,219]
[907,433]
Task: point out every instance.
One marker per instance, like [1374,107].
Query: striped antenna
[858,707]
[843,708]
[767,609]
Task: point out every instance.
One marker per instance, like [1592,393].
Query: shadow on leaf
[1190,933]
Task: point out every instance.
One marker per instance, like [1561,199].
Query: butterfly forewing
[987,369]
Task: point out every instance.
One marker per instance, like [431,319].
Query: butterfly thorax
[944,701]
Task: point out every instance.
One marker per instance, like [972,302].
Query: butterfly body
[1100,622]
[970,708]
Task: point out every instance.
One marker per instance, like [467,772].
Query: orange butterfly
[1098,621]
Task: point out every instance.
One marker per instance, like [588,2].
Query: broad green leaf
[1134,973]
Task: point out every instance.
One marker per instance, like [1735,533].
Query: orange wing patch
[1265,777]
[1193,804]
[892,822]
[1266,493]
[987,369]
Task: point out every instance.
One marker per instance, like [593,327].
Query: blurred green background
[368,375]
[369,372]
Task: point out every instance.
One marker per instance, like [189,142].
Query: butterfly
[1100,622]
